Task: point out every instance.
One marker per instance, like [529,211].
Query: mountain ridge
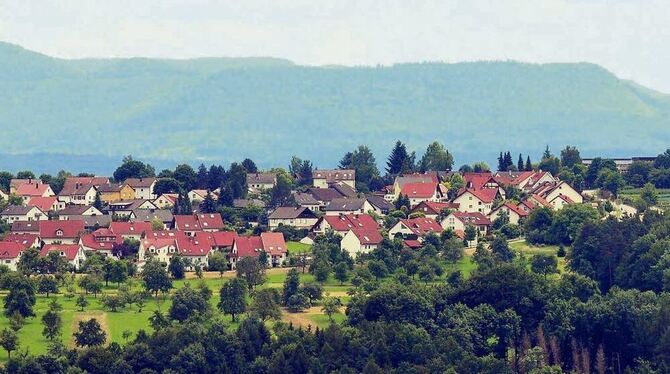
[225,109]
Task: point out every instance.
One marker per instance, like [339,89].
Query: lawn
[295,248]
[528,250]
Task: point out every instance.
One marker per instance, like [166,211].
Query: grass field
[529,250]
[663,195]
[298,248]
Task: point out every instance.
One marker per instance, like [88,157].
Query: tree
[167,185]
[529,165]
[280,195]
[91,284]
[218,262]
[378,268]
[208,205]
[436,158]
[158,320]
[313,291]
[544,264]
[297,303]
[249,269]
[402,201]
[97,203]
[236,180]
[570,157]
[399,160]
[30,261]
[186,176]
[9,341]
[90,334]
[202,178]
[131,168]
[233,297]
[155,277]
[118,271]
[291,285]
[249,166]
[519,163]
[342,272]
[649,195]
[177,267]
[82,302]
[21,298]
[501,250]
[187,302]
[47,285]
[112,302]
[363,162]
[330,306]
[52,324]
[321,271]
[663,160]
[265,304]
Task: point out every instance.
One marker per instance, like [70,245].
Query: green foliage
[251,270]
[187,302]
[155,277]
[90,334]
[233,297]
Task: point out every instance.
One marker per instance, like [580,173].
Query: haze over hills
[225,109]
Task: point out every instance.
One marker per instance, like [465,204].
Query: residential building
[61,232]
[298,217]
[357,241]
[72,253]
[15,213]
[324,178]
[414,228]
[143,187]
[272,243]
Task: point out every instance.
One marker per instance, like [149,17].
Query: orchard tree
[265,304]
[155,277]
[251,270]
[52,324]
[544,264]
[9,341]
[89,334]
[233,297]
[187,302]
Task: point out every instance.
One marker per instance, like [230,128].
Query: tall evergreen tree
[519,163]
[501,162]
[202,181]
[215,177]
[208,205]
[225,196]
[97,203]
[529,165]
[250,166]
[509,164]
[399,160]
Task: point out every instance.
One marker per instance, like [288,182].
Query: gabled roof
[43,203]
[486,195]
[148,215]
[76,189]
[210,221]
[112,187]
[25,226]
[186,223]
[130,205]
[345,189]
[77,210]
[140,182]
[477,180]
[335,175]
[130,228]
[303,198]
[402,180]
[422,226]
[69,251]
[472,218]
[512,178]
[379,202]
[193,245]
[289,212]
[345,222]
[91,221]
[345,204]
[368,237]
[433,207]
[69,229]
[26,239]
[261,178]
[514,208]
[220,238]
[95,181]
[32,189]
[419,190]
[18,210]
[101,239]
[10,250]
[273,243]
[251,246]
[325,194]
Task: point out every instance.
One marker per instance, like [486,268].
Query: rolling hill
[225,109]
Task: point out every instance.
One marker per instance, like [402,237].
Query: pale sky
[629,37]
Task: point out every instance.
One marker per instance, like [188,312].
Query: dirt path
[232,273]
[302,319]
[100,316]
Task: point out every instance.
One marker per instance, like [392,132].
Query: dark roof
[325,194]
[345,204]
[140,182]
[148,215]
[25,226]
[262,178]
[17,210]
[289,212]
[76,210]
[303,198]
[379,203]
[75,189]
[92,221]
[344,189]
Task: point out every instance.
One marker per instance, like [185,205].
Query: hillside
[223,109]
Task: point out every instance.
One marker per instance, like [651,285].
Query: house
[195,249]
[325,195]
[143,187]
[348,206]
[124,208]
[379,204]
[414,228]
[622,164]
[153,215]
[61,232]
[10,253]
[357,241]
[481,200]
[28,240]
[130,230]
[401,180]
[111,193]
[79,194]
[197,196]
[523,180]
[162,249]
[272,243]
[92,223]
[101,241]
[324,178]
[14,184]
[15,213]
[432,209]
[343,223]
[33,189]
[308,201]
[47,204]
[190,224]
[166,200]
[558,202]
[260,181]
[420,192]
[298,217]
[73,253]
[221,241]
[551,190]
[458,221]
[75,211]
[25,227]
[514,212]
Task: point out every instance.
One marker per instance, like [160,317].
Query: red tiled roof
[34,189]
[193,245]
[422,226]
[44,203]
[10,250]
[27,240]
[486,195]
[222,238]
[368,236]
[474,218]
[96,181]
[477,180]
[248,246]
[97,242]
[419,190]
[210,221]
[69,228]
[130,228]
[69,250]
[514,208]
[414,244]
[273,243]
[348,221]
[186,223]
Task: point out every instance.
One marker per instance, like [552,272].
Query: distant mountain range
[225,109]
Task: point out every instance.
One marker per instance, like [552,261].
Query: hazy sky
[629,37]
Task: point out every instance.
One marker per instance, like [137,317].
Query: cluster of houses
[333,204]
[71,225]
